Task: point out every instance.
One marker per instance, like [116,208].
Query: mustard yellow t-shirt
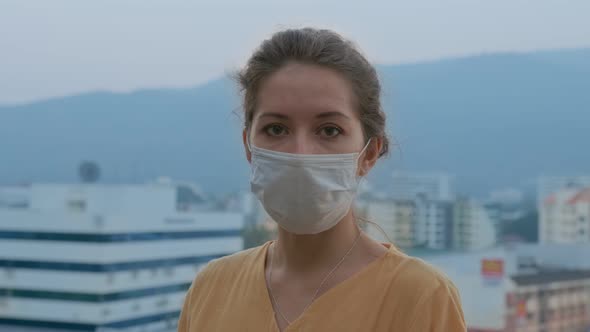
[393,293]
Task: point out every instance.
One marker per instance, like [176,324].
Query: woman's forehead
[301,90]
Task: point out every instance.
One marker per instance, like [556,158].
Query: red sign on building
[492,268]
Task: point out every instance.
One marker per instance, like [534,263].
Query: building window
[162,302]
[98,221]
[9,273]
[77,205]
[169,271]
[547,316]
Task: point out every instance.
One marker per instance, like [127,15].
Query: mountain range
[492,121]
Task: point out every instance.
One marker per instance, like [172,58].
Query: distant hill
[493,121]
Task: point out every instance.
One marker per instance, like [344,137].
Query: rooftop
[582,196]
[545,277]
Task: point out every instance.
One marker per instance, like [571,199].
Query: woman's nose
[301,145]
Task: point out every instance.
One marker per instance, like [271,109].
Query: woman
[313,127]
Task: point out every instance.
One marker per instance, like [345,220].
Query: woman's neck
[304,253]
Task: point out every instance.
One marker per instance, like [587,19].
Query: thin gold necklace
[326,278]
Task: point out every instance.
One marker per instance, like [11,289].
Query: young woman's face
[306,109]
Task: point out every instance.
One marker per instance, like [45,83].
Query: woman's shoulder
[214,283]
[430,295]
[231,265]
[413,274]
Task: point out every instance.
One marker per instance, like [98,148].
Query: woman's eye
[275,130]
[330,131]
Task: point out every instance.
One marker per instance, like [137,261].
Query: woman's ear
[245,142]
[370,156]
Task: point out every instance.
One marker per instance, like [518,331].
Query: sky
[64,47]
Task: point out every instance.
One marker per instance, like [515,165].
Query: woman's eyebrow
[332,114]
[273,115]
[322,115]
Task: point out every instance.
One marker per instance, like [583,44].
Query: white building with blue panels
[94,257]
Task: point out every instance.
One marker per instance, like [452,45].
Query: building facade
[93,257]
[565,217]
[473,228]
[550,300]
[434,223]
[421,222]
[397,218]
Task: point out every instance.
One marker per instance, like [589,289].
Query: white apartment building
[435,222]
[565,217]
[472,226]
[95,257]
[397,218]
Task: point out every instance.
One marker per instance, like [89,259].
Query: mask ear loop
[365,148]
[359,183]
[363,151]
[248,142]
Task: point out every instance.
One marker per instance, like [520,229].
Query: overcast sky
[54,48]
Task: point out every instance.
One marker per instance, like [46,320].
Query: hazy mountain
[493,121]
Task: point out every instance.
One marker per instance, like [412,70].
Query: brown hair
[319,47]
